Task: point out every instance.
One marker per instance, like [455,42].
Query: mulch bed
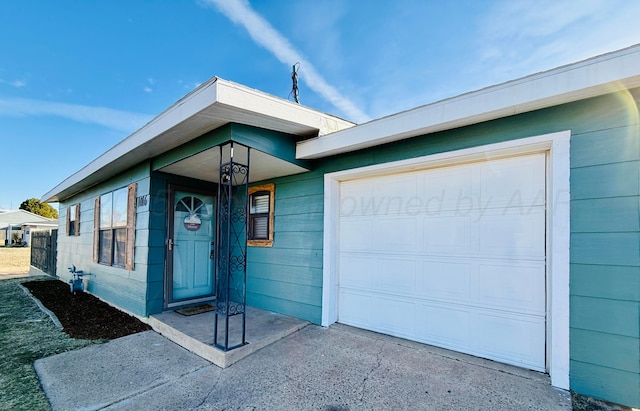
[82,315]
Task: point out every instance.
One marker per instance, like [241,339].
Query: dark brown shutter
[77,219]
[96,229]
[68,220]
[131,226]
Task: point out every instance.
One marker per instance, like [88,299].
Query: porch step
[195,333]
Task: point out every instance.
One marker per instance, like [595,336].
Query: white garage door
[452,256]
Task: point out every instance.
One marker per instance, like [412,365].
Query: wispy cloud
[520,37]
[106,117]
[189,86]
[241,13]
[148,88]
[14,83]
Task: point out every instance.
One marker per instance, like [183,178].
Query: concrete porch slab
[196,333]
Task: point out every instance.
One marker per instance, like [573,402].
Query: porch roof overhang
[272,154]
[608,73]
[213,104]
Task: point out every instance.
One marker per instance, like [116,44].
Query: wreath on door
[195,208]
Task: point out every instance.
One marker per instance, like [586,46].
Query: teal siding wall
[605,232]
[123,288]
[287,277]
[605,259]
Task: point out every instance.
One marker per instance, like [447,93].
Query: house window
[114,227]
[261,202]
[73,220]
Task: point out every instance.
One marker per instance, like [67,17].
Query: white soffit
[616,71]
[212,105]
[205,165]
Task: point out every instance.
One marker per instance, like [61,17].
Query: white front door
[452,256]
[191,246]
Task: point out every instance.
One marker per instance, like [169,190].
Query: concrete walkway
[336,368]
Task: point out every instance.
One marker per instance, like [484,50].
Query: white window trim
[558,232]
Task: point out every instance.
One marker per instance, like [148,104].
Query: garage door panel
[445,189]
[396,234]
[356,234]
[514,340]
[517,287]
[393,194]
[382,313]
[448,233]
[356,308]
[355,198]
[395,275]
[511,180]
[394,315]
[445,280]
[356,270]
[444,325]
[513,235]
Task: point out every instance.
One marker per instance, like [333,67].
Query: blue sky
[76,77]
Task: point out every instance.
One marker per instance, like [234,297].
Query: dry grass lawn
[15,260]
[26,335]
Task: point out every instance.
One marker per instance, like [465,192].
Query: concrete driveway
[335,368]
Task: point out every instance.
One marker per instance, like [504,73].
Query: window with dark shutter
[69,222]
[77,224]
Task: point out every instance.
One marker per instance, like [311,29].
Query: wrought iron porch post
[231,240]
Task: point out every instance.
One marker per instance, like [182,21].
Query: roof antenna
[294,80]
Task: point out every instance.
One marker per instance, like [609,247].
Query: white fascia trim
[236,95]
[600,75]
[557,145]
